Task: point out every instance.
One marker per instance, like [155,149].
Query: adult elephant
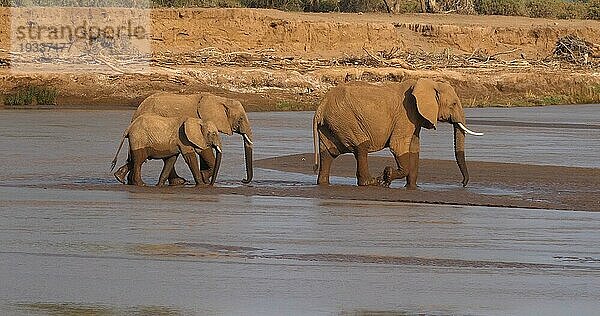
[228,115]
[360,118]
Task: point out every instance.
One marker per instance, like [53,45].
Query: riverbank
[274,60]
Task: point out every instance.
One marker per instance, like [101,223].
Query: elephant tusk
[247,139]
[218,148]
[468,131]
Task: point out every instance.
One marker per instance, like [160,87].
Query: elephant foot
[385,180]
[381,182]
[139,184]
[411,186]
[121,174]
[369,182]
[177,181]
[206,175]
[323,181]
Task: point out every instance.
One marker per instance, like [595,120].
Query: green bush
[561,9]
[321,6]
[197,3]
[542,8]
[456,6]
[572,10]
[500,7]
[287,5]
[593,11]
[362,6]
[32,95]
[407,6]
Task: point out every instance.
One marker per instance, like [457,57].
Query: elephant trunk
[459,153]
[217,165]
[248,145]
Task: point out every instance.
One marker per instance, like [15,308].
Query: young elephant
[156,137]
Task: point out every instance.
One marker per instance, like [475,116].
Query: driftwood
[570,52]
[575,50]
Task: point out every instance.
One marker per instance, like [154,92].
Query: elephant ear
[427,100]
[193,132]
[238,117]
[213,109]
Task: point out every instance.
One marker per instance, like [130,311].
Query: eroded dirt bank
[275,60]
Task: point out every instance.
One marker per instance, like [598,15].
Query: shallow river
[74,251]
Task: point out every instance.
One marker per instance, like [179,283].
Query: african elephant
[227,114]
[156,137]
[361,118]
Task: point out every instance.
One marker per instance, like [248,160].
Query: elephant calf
[156,137]
[361,118]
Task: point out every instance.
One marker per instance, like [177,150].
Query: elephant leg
[401,149]
[390,174]
[175,179]
[362,165]
[325,160]
[411,179]
[168,164]
[413,164]
[138,157]
[192,161]
[207,163]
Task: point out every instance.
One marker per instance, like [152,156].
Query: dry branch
[575,50]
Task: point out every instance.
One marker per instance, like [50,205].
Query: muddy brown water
[73,241]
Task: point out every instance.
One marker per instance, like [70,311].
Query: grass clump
[285,105]
[32,95]
[582,94]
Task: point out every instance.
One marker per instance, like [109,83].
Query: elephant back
[149,130]
[168,104]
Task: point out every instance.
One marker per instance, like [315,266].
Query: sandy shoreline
[491,185]
[552,187]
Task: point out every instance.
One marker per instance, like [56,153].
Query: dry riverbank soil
[275,60]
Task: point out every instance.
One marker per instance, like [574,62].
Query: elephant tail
[114,161]
[316,121]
